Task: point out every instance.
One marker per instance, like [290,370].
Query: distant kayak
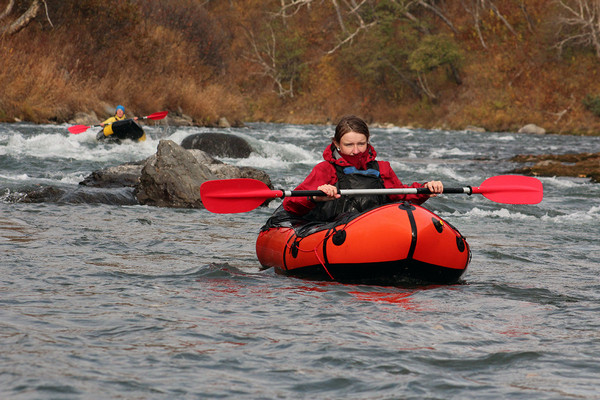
[126,129]
[391,243]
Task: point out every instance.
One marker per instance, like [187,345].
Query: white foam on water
[576,217]
[455,151]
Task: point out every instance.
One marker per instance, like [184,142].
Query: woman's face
[352,143]
[119,113]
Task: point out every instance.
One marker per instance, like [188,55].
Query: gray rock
[82,195]
[218,144]
[223,123]
[476,129]
[85,119]
[532,129]
[118,176]
[181,120]
[172,178]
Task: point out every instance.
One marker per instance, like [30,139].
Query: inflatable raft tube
[393,243]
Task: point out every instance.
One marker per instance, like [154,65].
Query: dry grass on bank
[54,81]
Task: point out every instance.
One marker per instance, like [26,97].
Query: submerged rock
[581,165]
[82,195]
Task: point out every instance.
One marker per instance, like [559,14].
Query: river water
[136,302]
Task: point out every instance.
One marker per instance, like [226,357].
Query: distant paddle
[241,195]
[75,129]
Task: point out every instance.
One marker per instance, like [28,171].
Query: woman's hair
[350,123]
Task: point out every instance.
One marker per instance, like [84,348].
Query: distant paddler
[119,127]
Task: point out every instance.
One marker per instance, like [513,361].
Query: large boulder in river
[228,171]
[172,178]
[218,144]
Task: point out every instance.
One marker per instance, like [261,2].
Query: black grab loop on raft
[460,243]
[406,206]
[294,248]
[438,223]
[339,237]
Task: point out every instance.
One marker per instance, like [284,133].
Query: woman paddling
[350,164]
[119,116]
[118,127]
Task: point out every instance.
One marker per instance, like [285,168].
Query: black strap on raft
[413,227]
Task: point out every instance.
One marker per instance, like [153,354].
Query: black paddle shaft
[301,193]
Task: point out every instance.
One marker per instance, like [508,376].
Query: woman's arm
[322,173]
[390,181]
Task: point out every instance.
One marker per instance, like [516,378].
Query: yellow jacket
[108,124]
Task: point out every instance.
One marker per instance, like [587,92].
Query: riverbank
[213,61]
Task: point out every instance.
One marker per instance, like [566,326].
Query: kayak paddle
[241,195]
[75,129]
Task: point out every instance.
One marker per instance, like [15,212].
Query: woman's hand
[330,191]
[435,187]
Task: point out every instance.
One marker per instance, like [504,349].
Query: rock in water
[172,178]
[218,144]
[127,174]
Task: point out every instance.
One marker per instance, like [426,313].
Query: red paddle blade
[512,189]
[235,195]
[158,115]
[75,129]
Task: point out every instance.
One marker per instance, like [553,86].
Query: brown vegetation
[432,63]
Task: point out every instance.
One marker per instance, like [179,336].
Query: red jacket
[324,173]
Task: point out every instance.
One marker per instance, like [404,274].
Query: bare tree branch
[338,13]
[344,9]
[350,37]
[24,20]
[7,10]
[294,5]
[417,90]
[530,22]
[47,14]
[493,7]
[475,10]
[266,59]
[581,24]
[425,87]
[439,13]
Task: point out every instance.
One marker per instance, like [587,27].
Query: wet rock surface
[581,165]
[218,144]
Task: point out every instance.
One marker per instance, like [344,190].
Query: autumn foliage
[494,64]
